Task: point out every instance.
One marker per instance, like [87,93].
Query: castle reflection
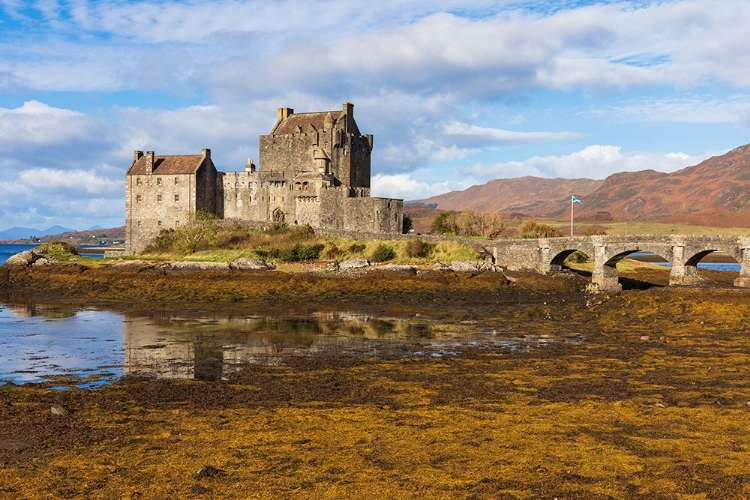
[212,348]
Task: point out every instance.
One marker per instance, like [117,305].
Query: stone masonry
[314,169]
[546,255]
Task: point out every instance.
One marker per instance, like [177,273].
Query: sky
[456,92]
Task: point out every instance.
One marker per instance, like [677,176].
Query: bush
[533,229]
[408,224]
[290,253]
[357,248]
[331,252]
[59,249]
[383,253]
[418,248]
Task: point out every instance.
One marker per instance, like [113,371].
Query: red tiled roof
[302,120]
[167,165]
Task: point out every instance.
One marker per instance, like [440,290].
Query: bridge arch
[558,261]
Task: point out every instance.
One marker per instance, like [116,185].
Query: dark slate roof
[289,125]
[167,165]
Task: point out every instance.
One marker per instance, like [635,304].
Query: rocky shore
[648,402]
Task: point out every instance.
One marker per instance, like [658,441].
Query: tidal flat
[654,402]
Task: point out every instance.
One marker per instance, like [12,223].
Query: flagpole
[571,216]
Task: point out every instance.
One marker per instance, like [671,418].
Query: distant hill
[100,236]
[715,192]
[522,194]
[18,233]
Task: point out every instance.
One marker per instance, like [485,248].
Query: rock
[332,266]
[44,261]
[209,471]
[58,411]
[465,266]
[196,266]
[645,338]
[248,264]
[131,265]
[25,258]
[398,268]
[352,264]
[441,266]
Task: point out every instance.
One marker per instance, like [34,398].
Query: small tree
[200,230]
[408,224]
[532,229]
[445,223]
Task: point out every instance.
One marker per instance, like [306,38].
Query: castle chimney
[137,155]
[284,113]
[349,112]
[250,165]
[206,153]
[150,160]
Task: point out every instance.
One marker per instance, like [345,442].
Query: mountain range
[716,192]
[19,233]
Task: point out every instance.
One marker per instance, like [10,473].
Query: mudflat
[643,394]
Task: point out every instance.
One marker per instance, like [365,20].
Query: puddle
[65,347]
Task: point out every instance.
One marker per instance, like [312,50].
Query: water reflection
[88,348]
[211,348]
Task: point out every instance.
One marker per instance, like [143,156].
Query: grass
[638,228]
[225,242]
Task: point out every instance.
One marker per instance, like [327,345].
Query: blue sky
[456,92]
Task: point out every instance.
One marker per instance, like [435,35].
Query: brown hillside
[522,194]
[715,192]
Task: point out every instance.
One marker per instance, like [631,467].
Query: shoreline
[646,407]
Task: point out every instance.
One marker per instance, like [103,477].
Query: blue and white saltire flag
[573,199]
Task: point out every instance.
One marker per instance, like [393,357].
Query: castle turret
[349,112]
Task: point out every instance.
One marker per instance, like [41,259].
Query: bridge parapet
[547,255]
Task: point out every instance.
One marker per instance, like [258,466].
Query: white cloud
[733,109]
[75,182]
[490,136]
[38,123]
[403,186]
[594,162]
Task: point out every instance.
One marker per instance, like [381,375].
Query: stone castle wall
[315,171]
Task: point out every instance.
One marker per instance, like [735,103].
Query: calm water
[9,250]
[87,347]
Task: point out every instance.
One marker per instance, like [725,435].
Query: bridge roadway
[546,255]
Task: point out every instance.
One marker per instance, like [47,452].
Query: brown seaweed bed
[654,404]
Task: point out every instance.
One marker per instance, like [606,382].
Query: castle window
[138,223]
[236,184]
[138,198]
[158,198]
[158,181]
[176,180]
[158,223]
[177,197]
[137,181]
[306,186]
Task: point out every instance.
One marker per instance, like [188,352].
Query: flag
[573,199]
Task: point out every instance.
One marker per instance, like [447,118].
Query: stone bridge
[546,255]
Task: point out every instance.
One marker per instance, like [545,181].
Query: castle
[314,169]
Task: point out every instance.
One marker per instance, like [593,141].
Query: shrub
[408,224]
[308,252]
[533,229]
[59,249]
[331,251]
[356,248]
[301,233]
[290,253]
[383,253]
[418,248]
